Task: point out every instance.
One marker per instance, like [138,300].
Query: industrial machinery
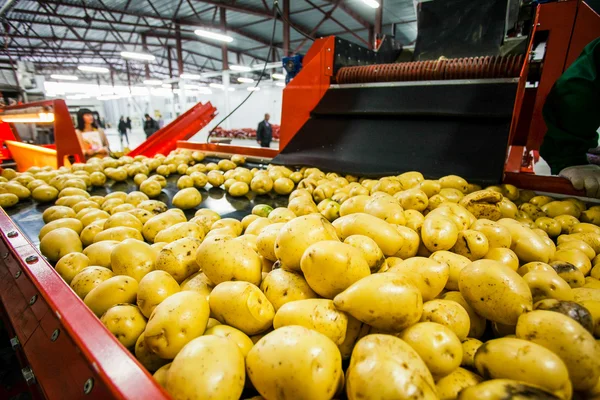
[345,110]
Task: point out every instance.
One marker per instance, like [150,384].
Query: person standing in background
[93,138]
[128,122]
[122,128]
[264,133]
[150,126]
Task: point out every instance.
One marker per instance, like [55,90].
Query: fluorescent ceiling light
[166,86]
[241,68]
[278,76]
[137,56]
[189,76]
[281,84]
[192,87]
[371,3]
[213,35]
[38,118]
[64,77]
[245,80]
[253,89]
[231,89]
[152,82]
[90,68]
[109,97]
[216,86]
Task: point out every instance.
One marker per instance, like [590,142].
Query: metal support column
[145,47]
[169,61]
[223,18]
[286,28]
[179,49]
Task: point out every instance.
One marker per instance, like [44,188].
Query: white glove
[584,177]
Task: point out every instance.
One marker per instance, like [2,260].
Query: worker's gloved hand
[584,177]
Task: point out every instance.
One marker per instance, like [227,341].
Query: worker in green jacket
[572,115]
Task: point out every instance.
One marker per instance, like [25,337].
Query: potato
[133,258]
[526,244]
[345,265]
[369,250]
[505,388]
[573,310]
[451,385]
[70,201]
[556,208]
[354,205]
[159,222]
[126,322]
[243,306]
[412,199]
[261,184]
[298,234]
[243,342]
[85,205]
[229,223]
[448,313]
[113,291]
[384,234]
[566,222]
[119,233]
[547,285]
[477,323]
[386,367]
[277,364]
[179,231]
[471,244]
[509,358]
[214,322]
[57,212]
[180,318]
[436,344]
[386,208]
[534,266]
[94,215]
[60,242]
[71,223]
[438,233]
[123,219]
[89,232]
[70,265]
[504,256]
[19,190]
[593,307]
[179,258]
[88,278]
[147,358]
[354,331]
[429,275]
[229,260]
[578,245]
[549,225]
[153,289]
[470,347]
[534,212]
[198,282]
[44,193]
[591,238]
[495,291]
[187,198]
[122,208]
[455,264]
[317,314]
[483,204]
[151,188]
[154,206]
[208,367]
[575,257]
[567,339]
[256,226]
[281,214]
[281,286]
[265,242]
[388,301]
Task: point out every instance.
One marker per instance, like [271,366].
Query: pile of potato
[395,288]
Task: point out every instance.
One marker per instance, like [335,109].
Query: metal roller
[443,69]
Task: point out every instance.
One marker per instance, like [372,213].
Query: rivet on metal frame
[33,299]
[88,386]
[31,259]
[55,335]
[17,274]
[5,255]
[15,343]
[12,234]
[28,376]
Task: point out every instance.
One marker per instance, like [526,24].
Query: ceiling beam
[356,16]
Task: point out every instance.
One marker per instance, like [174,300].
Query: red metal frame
[262,152]
[38,302]
[68,144]
[182,128]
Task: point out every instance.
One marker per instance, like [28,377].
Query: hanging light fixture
[91,68]
[137,56]
[213,35]
[60,77]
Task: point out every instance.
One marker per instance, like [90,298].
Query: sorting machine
[349,109]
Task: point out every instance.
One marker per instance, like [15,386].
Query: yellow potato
[159,222]
[567,339]
[388,301]
[386,367]
[451,385]
[265,242]
[330,209]
[123,219]
[384,234]
[455,264]
[238,337]
[438,233]
[575,257]
[471,244]
[88,278]
[133,258]
[495,291]
[57,212]
[153,289]
[354,331]
[281,286]
[146,357]
[433,274]
[71,223]
[526,244]
[109,293]
[454,181]
[534,266]
[261,184]
[573,310]
[369,250]
[208,367]
[230,223]
[556,208]
[470,347]
[89,232]
[85,204]
[280,362]
[578,245]
[198,282]
[345,266]
[410,243]
[44,193]
[477,323]
[566,222]
[386,208]
[412,199]
[500,388]
[504,256]
[448,313]
[436,344]
[229,260]
[301,206]
[243,306]
[19,190]
[94,215]
[179,231]
[591,238]
[179,258]
[70,265]
[154,206]
[534,212]
[70,201]
[430,187]
[593,306]
[354,205]
[414,220]
[549,225]
[281,214]
[60,242]
[257,226]
[547,285]
[151,188]
[483,204]
[317,314]
[180,318]
[126,322]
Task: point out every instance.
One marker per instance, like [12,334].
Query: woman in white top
[94,140]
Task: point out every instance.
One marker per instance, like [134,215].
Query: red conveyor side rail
[69,350]
[182,128]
